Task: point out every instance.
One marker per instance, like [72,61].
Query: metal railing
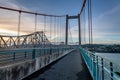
[100,68]
[13,55]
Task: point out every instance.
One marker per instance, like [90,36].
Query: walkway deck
[71,67]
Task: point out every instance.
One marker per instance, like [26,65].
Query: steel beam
[66,31]
[23,41]
[79,29]
[72,17]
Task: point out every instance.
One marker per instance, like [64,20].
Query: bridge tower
[79,28]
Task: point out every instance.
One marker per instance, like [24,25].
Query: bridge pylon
[79,28]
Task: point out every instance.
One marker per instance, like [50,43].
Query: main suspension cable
[23,11]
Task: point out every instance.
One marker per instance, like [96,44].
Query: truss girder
[36,39]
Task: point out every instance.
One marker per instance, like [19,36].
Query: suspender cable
[57,30]
[60,30]
[54,29]
[91,22]
[35,22]
[70,33]
[50,29]
[53,32]
[84,27]
[44,28]
[19,22]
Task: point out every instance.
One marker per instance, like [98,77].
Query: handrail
[8,56]
[99,67]
[104,58]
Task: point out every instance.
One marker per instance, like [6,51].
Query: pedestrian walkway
[70,67]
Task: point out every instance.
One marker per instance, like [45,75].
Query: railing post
[91,61]
[102,68]
[94,65]
[14,56]
[97,69]
[33,54]
[50,51]
[111,70]
[25,54]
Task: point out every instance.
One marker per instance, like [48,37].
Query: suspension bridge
[23,53]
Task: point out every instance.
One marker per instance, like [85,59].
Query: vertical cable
[50,29]
[35,22]
[57,30]
[44,28]
[88,24]
[19,22]
[84,27]
[60,30]
[91,22]
[70,33]
[54,28]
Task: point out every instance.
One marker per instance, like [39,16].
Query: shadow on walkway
[70,67]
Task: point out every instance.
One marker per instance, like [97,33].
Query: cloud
[9,22]
[9,3]
[108,13]
[106,26]
[9,19]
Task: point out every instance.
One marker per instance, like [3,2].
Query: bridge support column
[79,29]
[66,31]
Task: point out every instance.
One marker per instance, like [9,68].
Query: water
[114,57]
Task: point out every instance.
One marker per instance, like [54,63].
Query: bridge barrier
[100,68]
[12,55]
[20,63]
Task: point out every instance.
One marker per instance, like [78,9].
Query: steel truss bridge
[25,41]
[36,44]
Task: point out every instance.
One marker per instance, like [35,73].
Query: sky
[106,21]
[105,16]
